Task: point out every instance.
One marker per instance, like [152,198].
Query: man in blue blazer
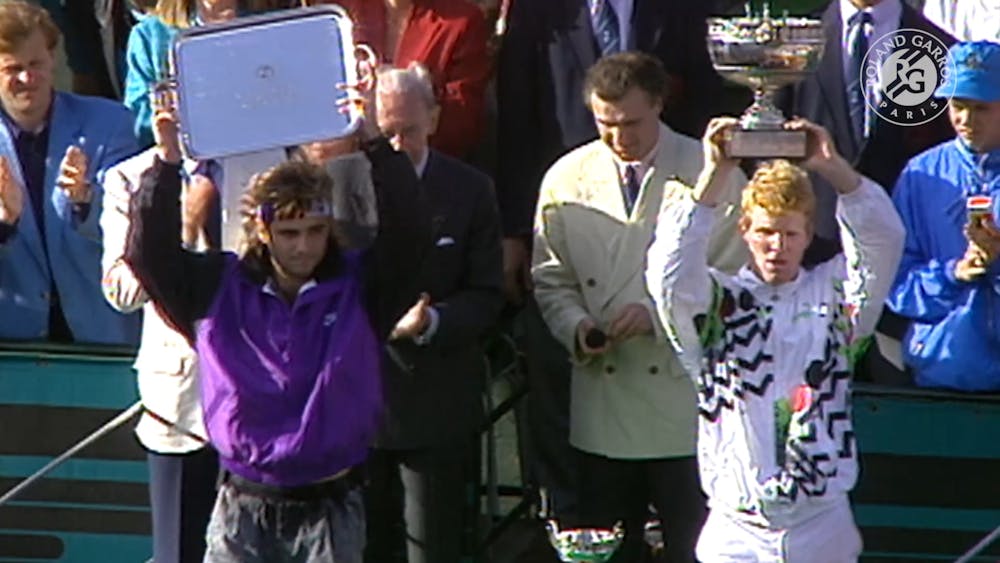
[54,148]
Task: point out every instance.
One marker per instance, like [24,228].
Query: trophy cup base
[748,143]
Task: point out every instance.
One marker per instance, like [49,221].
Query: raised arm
[872,235]
[677,274]
[677,271]
[404,233]
[871,230]
[181,284]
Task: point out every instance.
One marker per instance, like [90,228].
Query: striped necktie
[857,44]
[632,187]
[605,22]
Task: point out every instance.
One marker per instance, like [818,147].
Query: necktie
[631,187]
[605,22]
[31,155]
[857,44]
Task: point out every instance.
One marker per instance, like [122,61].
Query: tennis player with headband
[289,335]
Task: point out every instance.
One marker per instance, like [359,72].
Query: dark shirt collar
[16,130]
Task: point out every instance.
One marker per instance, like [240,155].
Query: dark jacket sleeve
[404,233]
[520,143]
[469,312]
[181,284]
[7,231]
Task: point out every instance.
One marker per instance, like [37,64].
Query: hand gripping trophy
[765,54]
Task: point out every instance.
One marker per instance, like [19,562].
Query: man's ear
[263,233]
[743,224]
[435,117]
[659,105]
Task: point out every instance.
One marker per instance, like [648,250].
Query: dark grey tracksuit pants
[246,528]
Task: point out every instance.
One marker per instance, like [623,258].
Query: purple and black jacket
[291,392]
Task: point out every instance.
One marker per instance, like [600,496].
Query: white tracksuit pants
[829,537]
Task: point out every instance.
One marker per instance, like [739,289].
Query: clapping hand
[11,198]
[415,321]
[73,175]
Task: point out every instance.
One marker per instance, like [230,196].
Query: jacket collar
[16,130]
[767,293]
[988,161]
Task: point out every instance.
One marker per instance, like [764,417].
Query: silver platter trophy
[585,544]
[264,81]
[765,54]
[246,89]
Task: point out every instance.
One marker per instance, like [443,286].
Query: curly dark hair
[290,190]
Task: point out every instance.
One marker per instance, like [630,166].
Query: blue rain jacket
[954,339]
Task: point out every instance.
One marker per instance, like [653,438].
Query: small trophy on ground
[765,54]
[591,545]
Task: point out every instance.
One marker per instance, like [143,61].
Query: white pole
[112,424]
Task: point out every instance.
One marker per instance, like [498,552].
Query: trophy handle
[163,93]
[366,63]
[552,526]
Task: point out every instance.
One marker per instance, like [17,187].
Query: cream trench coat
[635,401]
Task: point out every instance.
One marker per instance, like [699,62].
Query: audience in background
[966,20]
[54,149]
[449,38]
[150,41]
[948,281]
